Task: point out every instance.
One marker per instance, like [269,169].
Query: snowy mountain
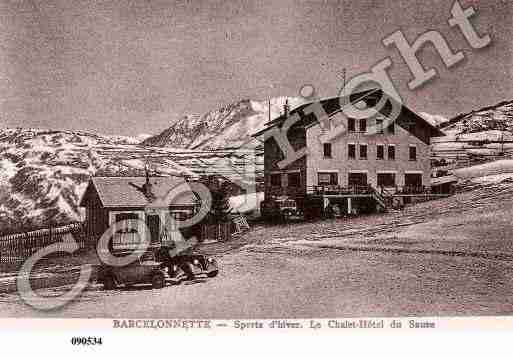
[482,133]
[43,173]
[230,126]
[126,140]
[498,117]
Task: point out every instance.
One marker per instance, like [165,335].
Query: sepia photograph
[251,165]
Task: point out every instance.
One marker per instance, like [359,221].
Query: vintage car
[143,270]
[280,208]
[148,269]
[199,264]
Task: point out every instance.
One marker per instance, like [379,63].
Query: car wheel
[213,274]
[286,216]
[158,281]
[109,283]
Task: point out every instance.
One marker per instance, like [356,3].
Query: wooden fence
[15,248]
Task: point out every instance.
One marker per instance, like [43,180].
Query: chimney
[286,108]
[147,186]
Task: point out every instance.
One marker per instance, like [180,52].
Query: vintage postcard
[246,166]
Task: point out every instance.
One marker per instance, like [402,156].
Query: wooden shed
[109,200]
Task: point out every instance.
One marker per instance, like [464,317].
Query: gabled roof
[371,97]
[127,191]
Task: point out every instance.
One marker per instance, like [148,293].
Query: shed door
[153,222]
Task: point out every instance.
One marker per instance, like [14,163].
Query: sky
[135,66]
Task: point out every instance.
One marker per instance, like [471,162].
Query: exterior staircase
[383,199]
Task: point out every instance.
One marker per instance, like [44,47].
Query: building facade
[370,158]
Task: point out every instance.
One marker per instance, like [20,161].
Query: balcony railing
[384,191]
[340,190]
[412,190]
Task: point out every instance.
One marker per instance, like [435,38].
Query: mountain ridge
[491,117]
[43,172]
[229,126]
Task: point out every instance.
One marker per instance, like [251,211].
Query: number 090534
[86,341]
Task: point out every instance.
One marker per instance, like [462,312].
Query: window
[391,127]
[126,216]
[380,152]
[413,153]
[131,224]
[181,215]
[413,180]
[379,125]
[276,179]
[126,233]
[327,178]
[391,152]
[386,179]
[363,125]
[327,150]
[357,179]
[293,179]
[351,151]
[363,152]
[351,125]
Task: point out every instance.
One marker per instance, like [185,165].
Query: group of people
[333,210]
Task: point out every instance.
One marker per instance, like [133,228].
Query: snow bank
[492,171]
[247,203]
[493,179]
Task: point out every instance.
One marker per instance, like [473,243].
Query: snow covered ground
[247,203]
[492,172]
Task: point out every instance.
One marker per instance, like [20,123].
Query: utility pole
[269,109]
[344,79]
[344,86]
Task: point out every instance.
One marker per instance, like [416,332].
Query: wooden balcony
[348,191]
[412,190]
[340,190]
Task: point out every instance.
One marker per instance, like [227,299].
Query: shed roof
[128,192]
